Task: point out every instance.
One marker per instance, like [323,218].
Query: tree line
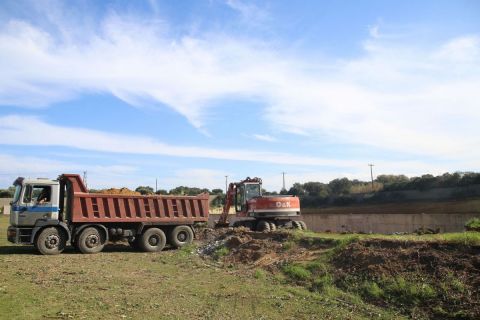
[342,191]
[338,191]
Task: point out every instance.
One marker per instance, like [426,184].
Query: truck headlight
[11,233]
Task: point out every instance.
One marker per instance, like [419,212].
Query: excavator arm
[230,197]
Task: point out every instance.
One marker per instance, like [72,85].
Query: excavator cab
[244,193]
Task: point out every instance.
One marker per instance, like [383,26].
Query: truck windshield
[16,196]
[252,191]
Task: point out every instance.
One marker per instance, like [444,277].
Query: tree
[297,189]
[340,186]
[316,189]
[270,193]
[387,179]
[7,193]
[182,190]
[161,191]
[144,190]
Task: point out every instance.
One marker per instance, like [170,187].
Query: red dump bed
[97,207]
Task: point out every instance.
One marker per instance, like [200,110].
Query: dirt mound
[124,191]
[389,258]
[249,249]
[441,279]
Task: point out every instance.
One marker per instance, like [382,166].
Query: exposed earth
[420,279]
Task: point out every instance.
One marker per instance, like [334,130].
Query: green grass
[466,238]
[220,252]
[296,272]
[174,284]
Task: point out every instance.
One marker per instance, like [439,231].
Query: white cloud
[25,130]
[264,137]
[408,98]
[250,13]
[35,167]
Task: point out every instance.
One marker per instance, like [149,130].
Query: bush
[473,224]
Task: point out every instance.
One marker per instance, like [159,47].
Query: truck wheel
[91,240]
[263,226]
[153,240]
[180,236]
[303,225]
[51,241]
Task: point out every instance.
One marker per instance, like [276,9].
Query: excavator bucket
[219,225]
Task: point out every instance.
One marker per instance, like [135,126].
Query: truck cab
[35,200]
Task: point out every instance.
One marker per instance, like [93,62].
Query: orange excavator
[258,212]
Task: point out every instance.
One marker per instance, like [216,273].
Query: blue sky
[191,91]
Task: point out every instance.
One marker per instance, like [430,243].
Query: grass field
[174,284]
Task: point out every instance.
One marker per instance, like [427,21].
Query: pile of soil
[249,249]
[386,257]
[435,264]
[121,191]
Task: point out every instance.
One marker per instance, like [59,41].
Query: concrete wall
[387,223]
[448,216]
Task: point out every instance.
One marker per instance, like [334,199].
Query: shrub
[473,224]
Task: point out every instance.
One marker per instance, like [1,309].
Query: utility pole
[371,172]
[156,185]
[226,184]
[283,175]
[85,179]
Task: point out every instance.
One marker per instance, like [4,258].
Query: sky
[188,92]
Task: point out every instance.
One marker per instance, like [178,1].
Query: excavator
[258,212]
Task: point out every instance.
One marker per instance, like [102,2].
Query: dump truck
[51,214]
[259,212]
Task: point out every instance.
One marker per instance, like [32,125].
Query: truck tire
[51,241]
[180,236]
[90,240]
[263,226]
[153,240]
